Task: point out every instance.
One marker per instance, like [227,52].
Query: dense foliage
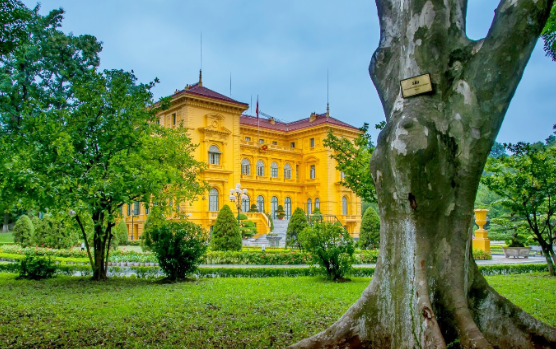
[369,235]
[120,233]
[24,231]
[352,159]
[36,268]
[549,35]
[526,180]
[178,246]
[55,231]
[225,233]
[331,248]
[297,223]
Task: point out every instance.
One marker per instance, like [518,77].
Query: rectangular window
[342,175]
[214,158]
[147,210]
[274,143]
[260,171]
[312,141]
[248,139]
[174,119]
[246,169]
[274,172]
[261,141]
[296,171]
[136,208]
[287,173]
[292,145]
[128,209]
[312,173]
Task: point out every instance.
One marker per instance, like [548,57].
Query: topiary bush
[24,231]
[280,213]
[36,268]
[253,208]
[178,246]
[225,233]
[154,220]
[331,247]
[120,233]
[369,235]
[298,222]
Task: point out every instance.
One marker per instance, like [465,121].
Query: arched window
[274,170]
[245,167]
[213,200]
[245,205]
[309,206]
[317,203]
[312,172]
[344,205]
[260,168]
[214,155]
[288,207]
[273,206]
[260,203]
[287,171]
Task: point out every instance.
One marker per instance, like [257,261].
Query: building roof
[199,90]
[321,119]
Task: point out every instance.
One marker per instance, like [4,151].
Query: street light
[237,196]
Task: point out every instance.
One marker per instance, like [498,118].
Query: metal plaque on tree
[416,85]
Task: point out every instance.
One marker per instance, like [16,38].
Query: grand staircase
[280,227]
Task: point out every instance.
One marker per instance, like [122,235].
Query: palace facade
[278,163]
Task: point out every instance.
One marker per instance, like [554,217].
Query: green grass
[210,313]
[6,237]
[130,248]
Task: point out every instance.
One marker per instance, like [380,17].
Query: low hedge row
[210,272]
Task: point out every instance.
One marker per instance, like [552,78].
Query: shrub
[24,231]
[369,236]
[55,231]
[154,220]
[120,233]
[271,222]
[178,246]
[248,229]
[297,223]
[480,254]
[280,213]
[36,268]
[331,248]
[253,208]
[225,233]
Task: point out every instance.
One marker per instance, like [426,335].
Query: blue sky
[280,51]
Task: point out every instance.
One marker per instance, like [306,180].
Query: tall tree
[352,159]
[549,35]
[527,182]
[427,291]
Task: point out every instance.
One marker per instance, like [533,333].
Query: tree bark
[5,226]
[427,291]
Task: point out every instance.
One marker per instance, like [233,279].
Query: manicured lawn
[210,313]
[6,237]
[130,248]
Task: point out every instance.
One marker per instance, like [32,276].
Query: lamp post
[237,196]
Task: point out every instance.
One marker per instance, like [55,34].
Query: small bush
[369,236]
[178,246]
[36,268]
[298,222]
[253,208]
[154,220]
[225,233]
[120,233]
[331,247]
[481,255]
[24,231]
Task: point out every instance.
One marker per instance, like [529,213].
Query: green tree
[526,181]
[297,223]
[549,35]
[14,18]
[331,248]
[225,233]
[497,150]
[154,220]
[352,159]
[369,236]
[178,246]
[55,231]
[427,291]
[24,231]
[96,132]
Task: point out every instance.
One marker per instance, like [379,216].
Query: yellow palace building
[278,163]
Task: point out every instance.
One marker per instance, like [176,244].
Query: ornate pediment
[214,126]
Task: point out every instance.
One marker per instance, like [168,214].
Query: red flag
[257,108]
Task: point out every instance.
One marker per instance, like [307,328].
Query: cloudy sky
[280,51]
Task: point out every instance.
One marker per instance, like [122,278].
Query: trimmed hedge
[210,272]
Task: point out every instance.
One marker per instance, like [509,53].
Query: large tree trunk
[427,291]
[5,226]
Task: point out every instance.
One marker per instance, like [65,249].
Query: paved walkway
[496,259]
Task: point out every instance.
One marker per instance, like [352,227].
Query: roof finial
[201,78]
